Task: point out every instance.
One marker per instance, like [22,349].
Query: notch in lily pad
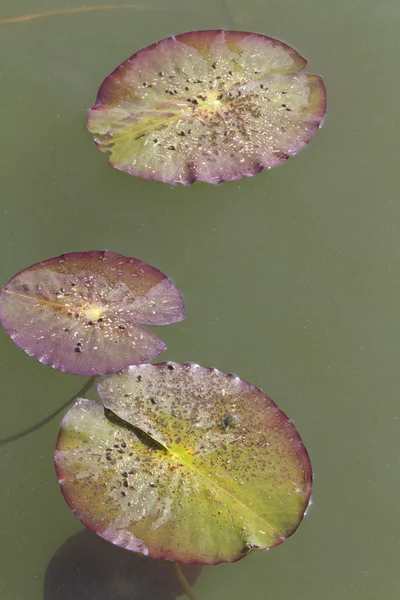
[208,105]
[80,312]
[183,463]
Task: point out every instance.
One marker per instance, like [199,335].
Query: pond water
[291,280]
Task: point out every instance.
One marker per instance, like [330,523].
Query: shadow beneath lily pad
[89,568]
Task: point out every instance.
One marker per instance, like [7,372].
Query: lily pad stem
[24,432]
[185,584]
[85,9]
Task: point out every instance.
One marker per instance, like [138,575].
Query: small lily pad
[79,312]
[207,105]
[183,463]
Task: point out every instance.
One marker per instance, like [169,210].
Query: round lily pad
[183,463]
[207,105]
[79,312]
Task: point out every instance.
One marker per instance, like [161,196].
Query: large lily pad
[207,105]
[183,463]
[79,312]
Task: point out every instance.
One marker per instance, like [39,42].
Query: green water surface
[291,280]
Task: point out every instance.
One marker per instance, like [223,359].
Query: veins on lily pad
[208,105]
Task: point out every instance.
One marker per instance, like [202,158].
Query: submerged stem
[185,584]
[24,432]
[71,11]
[85,9]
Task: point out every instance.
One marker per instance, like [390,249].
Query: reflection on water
[88,568]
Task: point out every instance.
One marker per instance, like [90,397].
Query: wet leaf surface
[183,463]
[79,312]
[207,105]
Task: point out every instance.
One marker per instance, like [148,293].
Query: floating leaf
[207,105]
[79,312]
[183,463]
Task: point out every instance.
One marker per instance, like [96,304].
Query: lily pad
[79,312]
[207,105]
[183,463]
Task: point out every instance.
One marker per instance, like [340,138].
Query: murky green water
[291,280]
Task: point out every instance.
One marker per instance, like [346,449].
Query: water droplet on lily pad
[151,469]
[79,312]
[207,105]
